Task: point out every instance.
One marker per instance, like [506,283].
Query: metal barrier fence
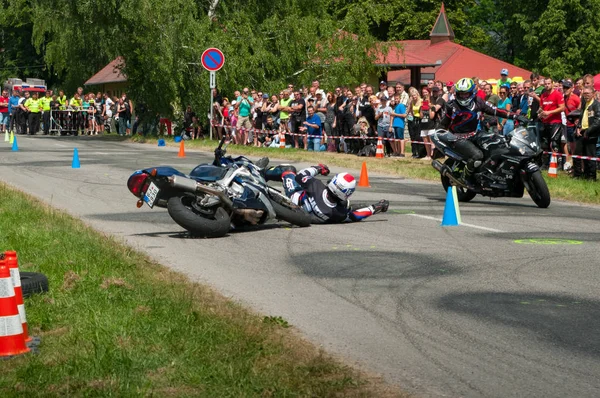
[68,121]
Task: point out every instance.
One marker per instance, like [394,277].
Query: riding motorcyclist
[462,116]
[327,203]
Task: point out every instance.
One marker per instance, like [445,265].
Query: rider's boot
[470,171]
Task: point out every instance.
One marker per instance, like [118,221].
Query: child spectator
[398,123]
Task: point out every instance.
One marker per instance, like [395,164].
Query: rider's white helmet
[342,185]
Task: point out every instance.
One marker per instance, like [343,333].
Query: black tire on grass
[33,283]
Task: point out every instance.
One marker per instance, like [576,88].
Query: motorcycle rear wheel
[538,190]
[207,223]
[462,194]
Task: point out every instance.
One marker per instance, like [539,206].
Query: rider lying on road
[327,203]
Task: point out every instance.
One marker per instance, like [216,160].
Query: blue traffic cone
[15,147]
[451,211]
[75,164]
[161,142]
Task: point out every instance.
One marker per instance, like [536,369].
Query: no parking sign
[212,60]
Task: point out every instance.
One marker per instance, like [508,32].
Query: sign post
[212,60]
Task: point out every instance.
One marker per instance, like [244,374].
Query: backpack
[368,150]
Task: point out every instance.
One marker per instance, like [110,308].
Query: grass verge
[116,324]
[562,187]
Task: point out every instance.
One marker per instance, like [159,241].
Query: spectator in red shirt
[552,103]
[572,103]
[480,88]
[4,111]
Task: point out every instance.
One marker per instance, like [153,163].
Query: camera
[530,89]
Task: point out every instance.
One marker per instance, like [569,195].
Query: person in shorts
[398,124]
[427,125]
[383,114]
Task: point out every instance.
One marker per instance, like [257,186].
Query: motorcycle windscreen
[524,141]
[207,172]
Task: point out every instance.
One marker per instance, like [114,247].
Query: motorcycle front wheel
[208,223]
[462,194]
[538,190]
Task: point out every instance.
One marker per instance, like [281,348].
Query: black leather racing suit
[462,120]
[323,207]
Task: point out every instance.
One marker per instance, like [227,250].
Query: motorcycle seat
[446,136]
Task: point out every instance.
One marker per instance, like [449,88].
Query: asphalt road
[475,311]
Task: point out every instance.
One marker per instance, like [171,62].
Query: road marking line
[466,225]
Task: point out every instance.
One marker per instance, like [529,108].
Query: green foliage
[269,44]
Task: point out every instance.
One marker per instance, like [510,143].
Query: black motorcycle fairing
[208,172]
[164,171]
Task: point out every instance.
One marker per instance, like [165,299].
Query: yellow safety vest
[45,101]
[33,105]
[63,102]
[76,103]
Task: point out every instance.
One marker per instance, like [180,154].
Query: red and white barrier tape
[352,137]
[337,137]
[573,156]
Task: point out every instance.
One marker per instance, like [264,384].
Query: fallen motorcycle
[213,198]
[511,164]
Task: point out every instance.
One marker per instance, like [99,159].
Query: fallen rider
[327,203]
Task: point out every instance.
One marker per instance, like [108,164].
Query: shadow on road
[372,264]
[560,320]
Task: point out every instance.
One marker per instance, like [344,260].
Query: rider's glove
[522,119]
[322,169]
[381,206]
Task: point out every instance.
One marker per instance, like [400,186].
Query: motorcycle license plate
[151,194]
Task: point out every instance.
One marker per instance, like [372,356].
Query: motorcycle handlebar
[219,153]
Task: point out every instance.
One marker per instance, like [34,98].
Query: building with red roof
[450,60]
[110,78]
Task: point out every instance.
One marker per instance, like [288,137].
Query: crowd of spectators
[350,120]
[342,120]
[90,114]
[563,111]
[345,119]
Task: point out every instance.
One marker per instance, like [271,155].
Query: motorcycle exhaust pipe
[193,186]
[446,172]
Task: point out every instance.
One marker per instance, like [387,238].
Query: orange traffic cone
[12,340]
[181,153]
[363,181]
[13,265]
[379,153]
[552,169]
[282,140]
